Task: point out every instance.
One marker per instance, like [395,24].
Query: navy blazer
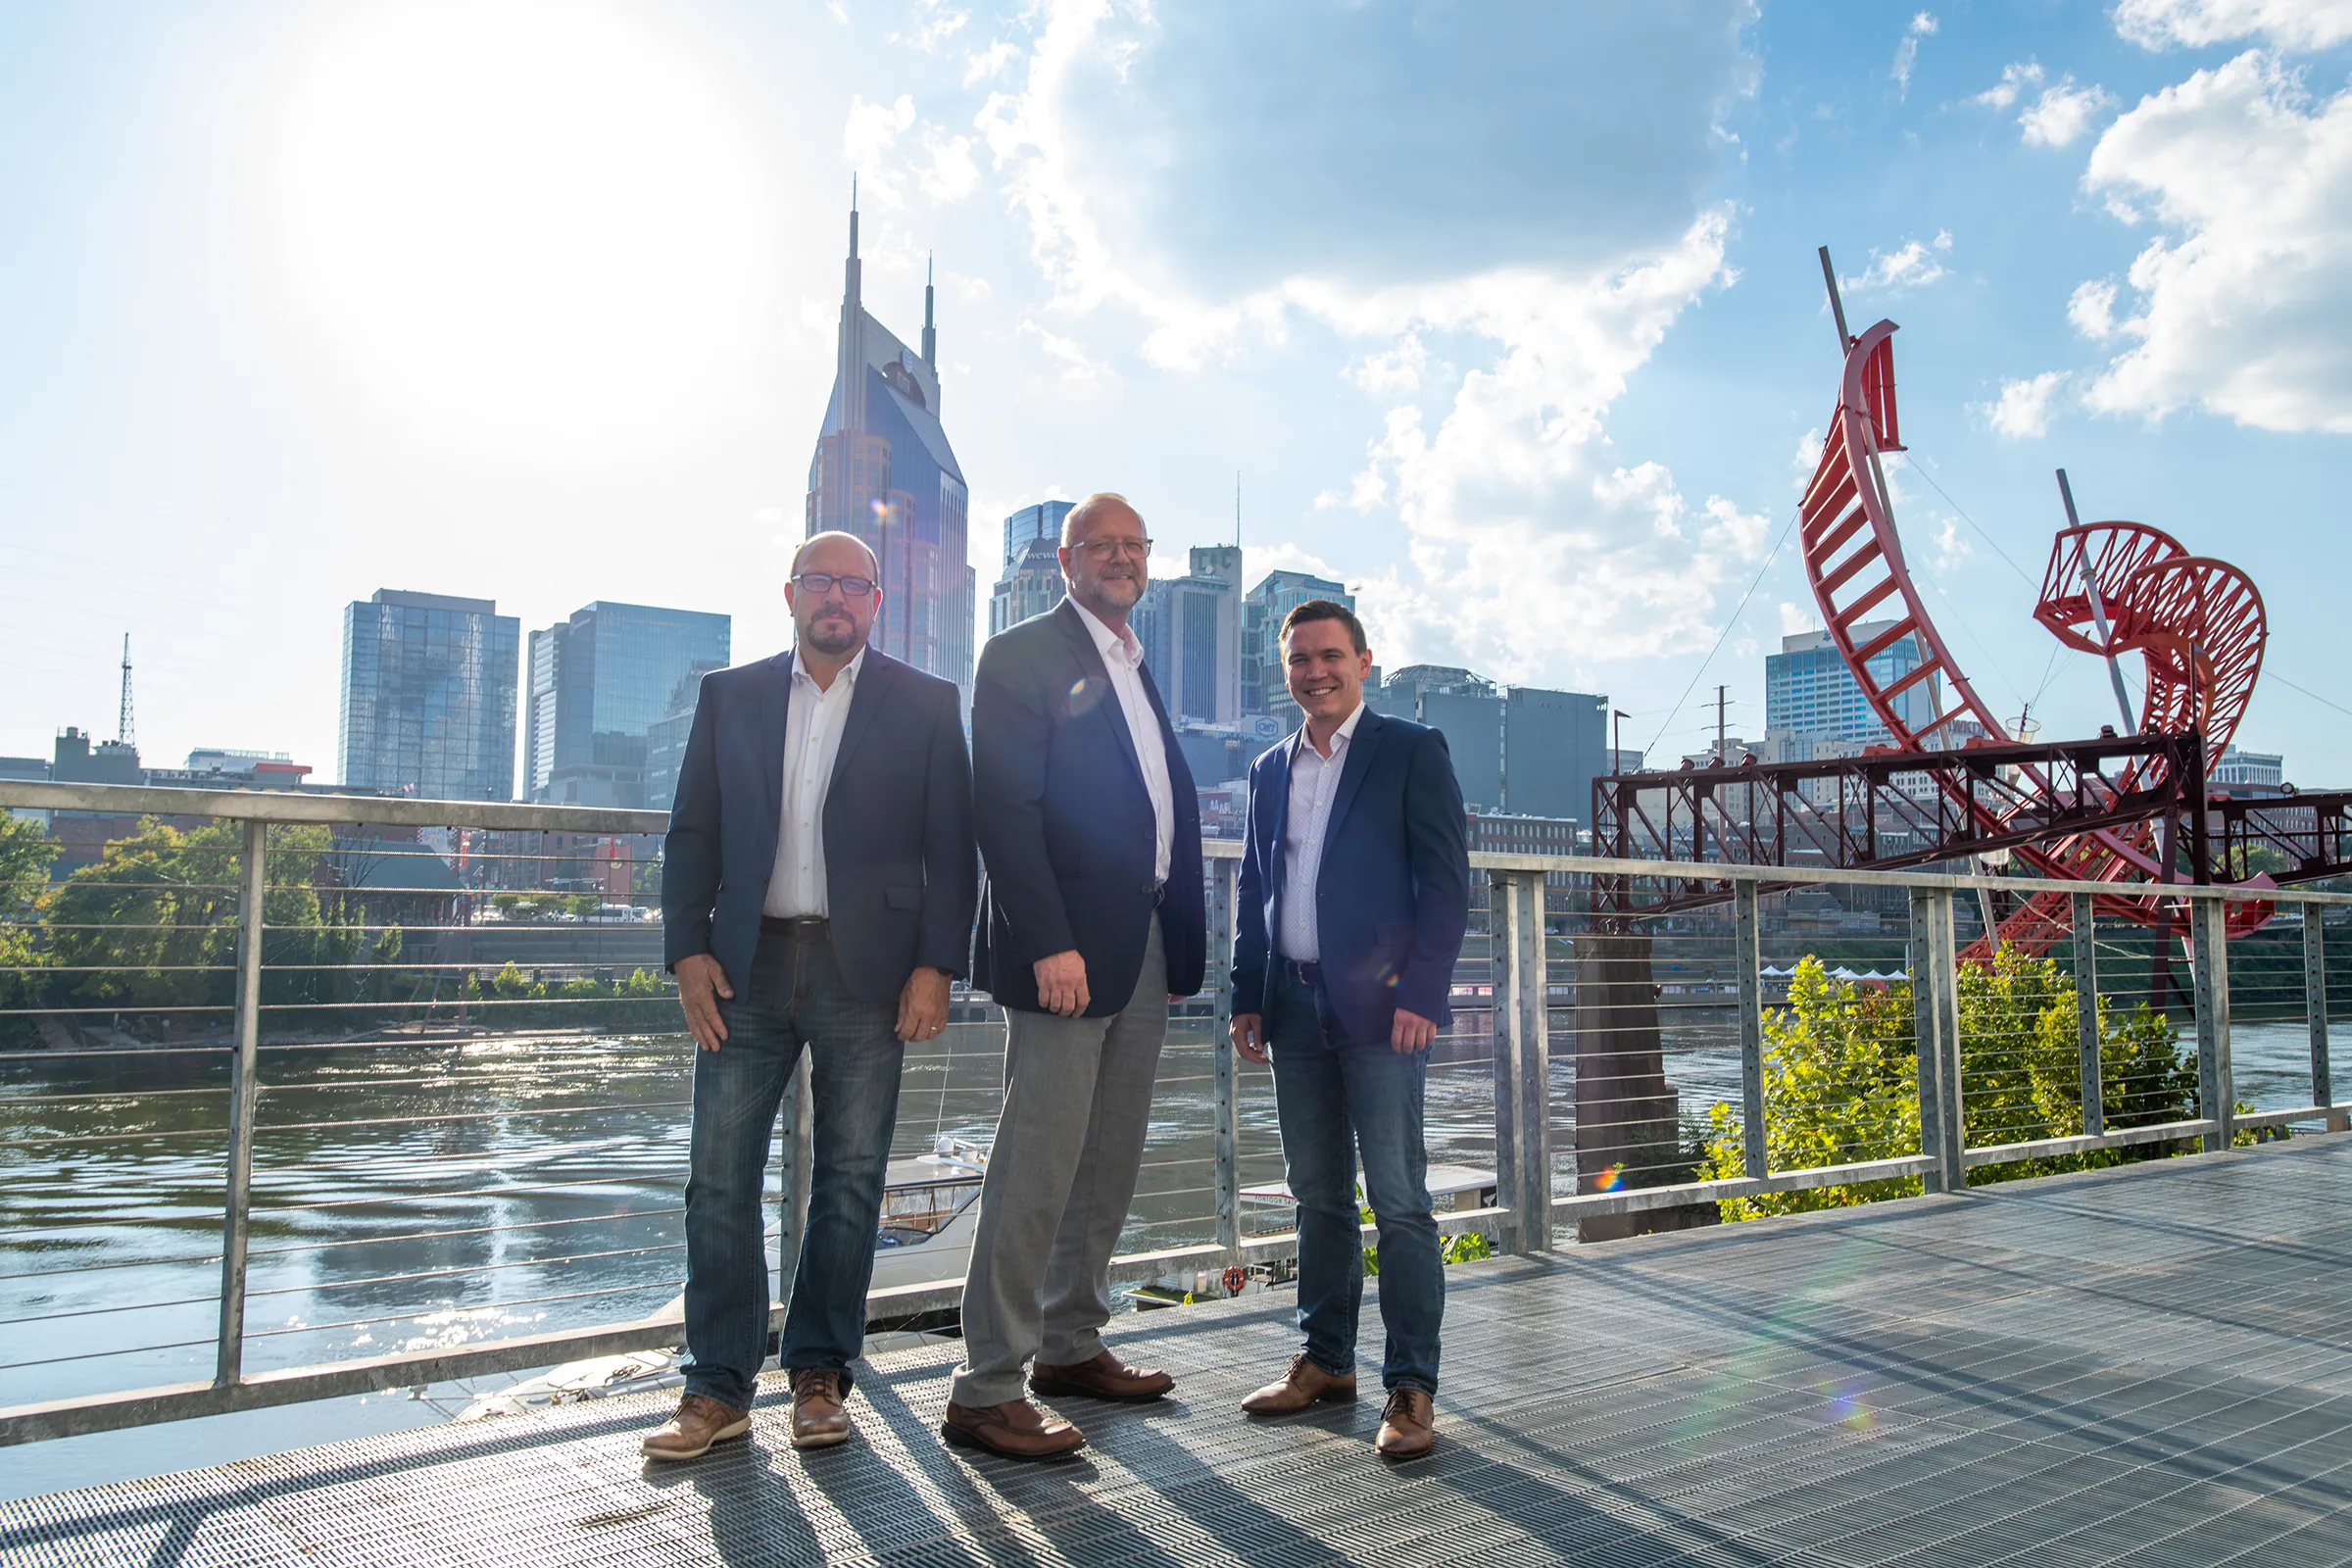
[900,878]
[1066,824]
[1393,895]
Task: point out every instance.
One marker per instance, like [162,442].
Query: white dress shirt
[1123,656]
[1314,780]
[812,726]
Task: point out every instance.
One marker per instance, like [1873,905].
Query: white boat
[930,1209]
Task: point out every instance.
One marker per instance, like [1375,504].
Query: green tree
[1842,1086]
[26,850]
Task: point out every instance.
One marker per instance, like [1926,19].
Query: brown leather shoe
[699,1424]
[1304,1384]
[1103,1378]
[1013,1429]
[819,1419]
[1407,1427]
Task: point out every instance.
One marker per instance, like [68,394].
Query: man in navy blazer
[817,889]
[1096,920]
[1352,905]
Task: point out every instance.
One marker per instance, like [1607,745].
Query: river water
[419,1195]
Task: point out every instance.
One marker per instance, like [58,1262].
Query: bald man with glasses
[817,889]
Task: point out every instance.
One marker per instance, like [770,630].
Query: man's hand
[923,1005]
[1411,1032]
[1250,1034]
[701,983]
[1062,983]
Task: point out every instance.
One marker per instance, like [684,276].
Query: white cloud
[1393,370]
[2022,410]
[873,130]
[986,64]
[2240,301]
[872,136]
[2015,79]
[1808,458]
[1952,549]
[939,23]
[2195,23]
[1067,353]
[1906,53]
[1797,620]
[1915,265]
[2063,112]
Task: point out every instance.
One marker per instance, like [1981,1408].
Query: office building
[1030,524]
[1467,709]
[76,760]
[1808,688]
[1554,745]
[2248,773]
[1191,629]
[884,471]
[1031,586]
[429,696]
[1264,690]
[598,684]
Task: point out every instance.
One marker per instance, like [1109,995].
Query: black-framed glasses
[821,583]
[1109,549]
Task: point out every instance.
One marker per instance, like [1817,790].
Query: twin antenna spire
[930,349]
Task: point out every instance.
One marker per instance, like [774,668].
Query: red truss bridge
[2130,812]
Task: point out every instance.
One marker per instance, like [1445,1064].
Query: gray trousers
[1060,1175]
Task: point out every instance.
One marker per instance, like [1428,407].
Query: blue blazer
[901,877]
[1066,824]
[1393,896]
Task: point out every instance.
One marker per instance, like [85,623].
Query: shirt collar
[848,676]
[1339,737]
[1122,642]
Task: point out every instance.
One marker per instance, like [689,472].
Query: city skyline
[1548,416]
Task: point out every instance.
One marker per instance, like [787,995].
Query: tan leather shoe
[699,1423]
[1103,1378]
[1304,1384]
[1013,1429]
[1408,1426]
[819,1418]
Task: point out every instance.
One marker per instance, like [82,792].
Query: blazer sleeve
[1011,738]
[1250,936]
[690,852]
[951,863]
[1438,846]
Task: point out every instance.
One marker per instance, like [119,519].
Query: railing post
[2087,1016]
[1521,1058]
[237,1211]
[1936,1022]
[2217,1089]
[1221,895]
[2315,1014]
[800,1172]
[1748,957]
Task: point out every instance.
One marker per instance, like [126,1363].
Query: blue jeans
[1336,1099]
[795,998]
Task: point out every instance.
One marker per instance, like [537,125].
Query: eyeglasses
[821,583]
[1109,549]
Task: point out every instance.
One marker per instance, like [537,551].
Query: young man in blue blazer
[1354,898]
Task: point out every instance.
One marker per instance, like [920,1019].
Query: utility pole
[1237,508]
[1617,749]
[1719,753]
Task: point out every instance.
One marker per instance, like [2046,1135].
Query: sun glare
[529,223]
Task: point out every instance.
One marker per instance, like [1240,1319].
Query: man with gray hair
[1094,921]
[817,887]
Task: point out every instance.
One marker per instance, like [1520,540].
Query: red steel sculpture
[2111,589]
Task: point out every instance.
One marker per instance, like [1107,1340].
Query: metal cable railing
[427,1111]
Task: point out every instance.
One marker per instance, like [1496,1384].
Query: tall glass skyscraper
[1809,691]
[1265,689]
[884,471]
[1040,522]
[598,683]
[1191,629]
[429,696]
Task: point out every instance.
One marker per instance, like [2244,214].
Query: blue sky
[1507,314]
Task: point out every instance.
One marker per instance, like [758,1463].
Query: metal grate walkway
[2147,1365]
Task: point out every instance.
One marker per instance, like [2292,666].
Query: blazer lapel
[775,699]
[865,700]
[1276,824]
[1360,748]
[1098,676]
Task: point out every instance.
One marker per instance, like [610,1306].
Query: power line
[2308,692]
[1971,522]
[1727,624]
